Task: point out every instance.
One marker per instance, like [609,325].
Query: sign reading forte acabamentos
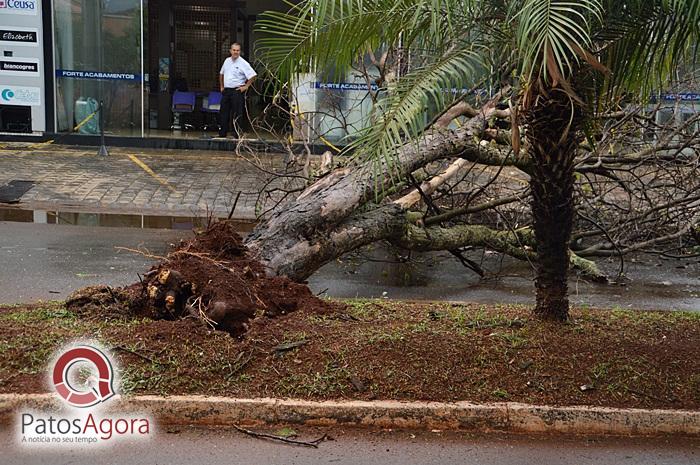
[84,378]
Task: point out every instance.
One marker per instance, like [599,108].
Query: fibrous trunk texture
[552,123]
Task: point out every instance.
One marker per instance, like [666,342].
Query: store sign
[15,66]
[19,7]
[19,36]
[685,97]
[362,87]
[13,95]
[345,86]
[102,75]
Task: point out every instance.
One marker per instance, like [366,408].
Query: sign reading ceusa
[20,7]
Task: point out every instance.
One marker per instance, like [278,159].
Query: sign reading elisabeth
[19,36]
[84,377]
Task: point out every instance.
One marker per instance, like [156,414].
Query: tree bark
[305,256]
[298,238]
[339,213]
[516,243]
[552,123]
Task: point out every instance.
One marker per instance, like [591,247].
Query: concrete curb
[464,416]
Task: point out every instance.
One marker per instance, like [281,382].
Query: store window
[690,121]
[98,57]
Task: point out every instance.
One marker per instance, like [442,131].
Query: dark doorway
[202,36]
[187,43]
[15,118]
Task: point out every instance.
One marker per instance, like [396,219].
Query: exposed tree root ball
[210,278]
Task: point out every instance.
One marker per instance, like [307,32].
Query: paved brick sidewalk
[192,183]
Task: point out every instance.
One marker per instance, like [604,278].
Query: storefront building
[23,93]
[132,55]
[61,58]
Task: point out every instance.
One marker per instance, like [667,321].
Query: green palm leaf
[551,33]
[331,35]
[643,43]
[401,112]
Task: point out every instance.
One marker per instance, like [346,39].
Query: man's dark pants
[232,105]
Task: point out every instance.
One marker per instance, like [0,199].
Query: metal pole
[143,109]
[102,152]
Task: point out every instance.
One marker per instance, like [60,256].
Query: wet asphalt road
[47,262]
[193,446]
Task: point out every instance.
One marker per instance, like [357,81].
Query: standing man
[235,78]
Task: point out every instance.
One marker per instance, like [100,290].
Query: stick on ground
[254,434]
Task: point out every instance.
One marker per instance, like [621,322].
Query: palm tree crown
[563,56]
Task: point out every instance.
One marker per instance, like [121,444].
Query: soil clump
[210,278]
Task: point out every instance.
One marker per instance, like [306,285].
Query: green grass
[332,380]
[397,350]
[600,371]
[465,322]
[296,336]
[366,310]
[47,313]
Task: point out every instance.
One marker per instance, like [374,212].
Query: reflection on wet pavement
[648,282]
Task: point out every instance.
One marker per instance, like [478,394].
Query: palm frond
[644,42]
[401,113]
[550,35]
[332,34]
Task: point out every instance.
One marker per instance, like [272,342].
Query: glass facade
[134,54]
[98,56]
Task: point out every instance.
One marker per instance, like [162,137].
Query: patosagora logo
[83,376]
[99,387]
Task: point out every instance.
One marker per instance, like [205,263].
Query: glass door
[99,58]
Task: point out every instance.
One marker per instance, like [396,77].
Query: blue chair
[183,102]
[212,105]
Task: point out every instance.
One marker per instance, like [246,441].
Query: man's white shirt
[237,72]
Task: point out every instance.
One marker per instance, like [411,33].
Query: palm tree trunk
[552,124]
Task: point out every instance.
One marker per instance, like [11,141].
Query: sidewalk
[135,181]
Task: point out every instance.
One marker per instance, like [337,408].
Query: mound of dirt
[210,278]
[103,301]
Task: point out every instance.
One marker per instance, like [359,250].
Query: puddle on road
[112,220]
[652,283]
